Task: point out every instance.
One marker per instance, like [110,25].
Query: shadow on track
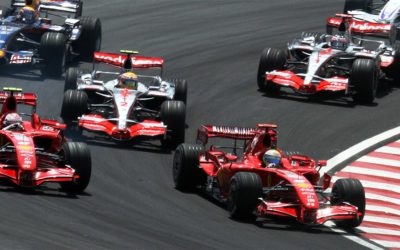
[48,191]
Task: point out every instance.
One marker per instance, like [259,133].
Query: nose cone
[26,157]
[121,134]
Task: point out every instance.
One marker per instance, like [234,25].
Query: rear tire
[173,114]
[364,5]
[75,104]
[90,39]
[71,77]
[77,155]
[271,59]
[351,191]
[244,191]
[186,172]
[364,78]
[53,51]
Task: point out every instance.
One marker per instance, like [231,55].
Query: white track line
[383,209]
[344,156]
[389,150]
[350,152]
[356,239]
[389,244]
[371,172]
[382,198]
[372,230]
[373,184]
[383,220]
[380,161]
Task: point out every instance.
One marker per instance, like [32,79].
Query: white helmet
[12,118]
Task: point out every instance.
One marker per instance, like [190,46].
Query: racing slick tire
[245,189]
[53,51]
[90,39]
[77,155]
[75,104]
[173,114]
[271,59]
[186,171]
[364,5]
[364,79]
[180,90]
[350,191]
[71,76]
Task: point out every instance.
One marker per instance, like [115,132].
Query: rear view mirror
[321,163]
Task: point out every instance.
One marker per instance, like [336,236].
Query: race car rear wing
[67,6]
[20,97]
[238,133]
[361,27]
[137,62]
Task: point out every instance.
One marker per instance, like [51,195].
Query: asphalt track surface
[215,45]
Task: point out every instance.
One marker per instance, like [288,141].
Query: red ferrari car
[34,151]
[251,189]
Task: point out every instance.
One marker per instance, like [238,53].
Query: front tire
[53,51]
[364,78]
[173,114]
[77,155]
[75,104]
[244,191]
[71,77]
[180,90]
[271,59]
[186,172]
[351,191]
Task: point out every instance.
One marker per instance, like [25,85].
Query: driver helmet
[339,42]
[12,118]
[28,15]
[272,157]
[128,80]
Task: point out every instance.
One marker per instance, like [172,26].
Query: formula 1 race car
[31,40]
[379,18]
[155,110]
[34,151]
[251,188]
[336,64]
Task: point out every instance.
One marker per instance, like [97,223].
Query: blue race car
[37,39]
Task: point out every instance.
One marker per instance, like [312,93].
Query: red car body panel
[292,80]
[298,172]
[22,165]
[363,27]
[97,123]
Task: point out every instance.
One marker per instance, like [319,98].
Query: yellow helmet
[128,80]
[272,156]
